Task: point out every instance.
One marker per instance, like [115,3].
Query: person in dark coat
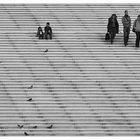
[48,31]
[126,20]
[113,27]
[136,29]
[40,33]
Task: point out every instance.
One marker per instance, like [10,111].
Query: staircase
[83,85]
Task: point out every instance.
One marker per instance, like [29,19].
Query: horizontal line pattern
[82,86]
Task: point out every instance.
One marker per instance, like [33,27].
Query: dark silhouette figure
[46,50]
[136,29]
[126,20]
[20,126]
[48,31]
[40,33]
[35,126]
[30,87]
[26,134]
[49,127]
[113,27]
[30,99]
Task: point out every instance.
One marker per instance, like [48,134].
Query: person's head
[138,17]
[39,28]
[48,24]
[126,13]
[114,16]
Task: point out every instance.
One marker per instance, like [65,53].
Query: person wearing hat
[113,27]
[48,31]
[136,29]
[126,21]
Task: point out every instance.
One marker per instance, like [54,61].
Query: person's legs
[128,32]
[113,34]
[125,34]
[50,35]
[137,38]
[46,36]
[40,36]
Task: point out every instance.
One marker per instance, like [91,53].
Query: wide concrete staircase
[82,86]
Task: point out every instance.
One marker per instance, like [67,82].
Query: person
[136,29]
[126,21]
[113,27]
[40,33]
[48,31]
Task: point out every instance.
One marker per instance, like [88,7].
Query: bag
[107,36]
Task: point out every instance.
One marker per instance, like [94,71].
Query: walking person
[113,27]
[40,33]
[126,21]
[48,31]
[136,29]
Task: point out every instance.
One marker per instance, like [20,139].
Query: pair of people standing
[47,32]
[113,28]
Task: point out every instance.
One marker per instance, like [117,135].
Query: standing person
[136,29]
[48,31]
[126,21]
[40,33]
[113,27]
